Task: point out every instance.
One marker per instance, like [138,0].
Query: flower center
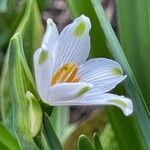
[66,73]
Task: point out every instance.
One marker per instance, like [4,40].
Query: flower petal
[43,59]
[74,42]
[103,73]
[68,91]
[50,39]
[42,67]
[125,104]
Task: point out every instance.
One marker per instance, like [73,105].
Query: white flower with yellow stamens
[64,77]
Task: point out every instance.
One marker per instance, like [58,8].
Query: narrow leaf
[108,139]
[7,140]
[60,120]
[11,12]
[3,5]
[31,29]
[20,81]
[84,143]
[134,35]
[51,135]
[97,142]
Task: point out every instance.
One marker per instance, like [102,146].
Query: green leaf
[44,4]
[84,143]
[29,25]
[7,140]
[134,35]
[3,5]
[108,139]
[51,136]
[97,142]
[31,29]
[44,143]
[5,102]
[11,12]
[122,126]
[60,120]
[20,81]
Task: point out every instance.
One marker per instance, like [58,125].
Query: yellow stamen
[58,74]
[70,68]
[72,76]
[77,79]
[66,73]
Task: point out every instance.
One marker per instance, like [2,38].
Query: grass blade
[7,140]
[134,35]
[51,135]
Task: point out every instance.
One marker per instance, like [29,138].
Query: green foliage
[3,5]
[84,143]
[11,12]
[20,81]
[50,134]
[108,139]
[21,115]
[31,19]
[97,142]
[31,29]
[60,120]
[7,141]
[134,35]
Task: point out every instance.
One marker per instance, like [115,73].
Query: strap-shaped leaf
[60,120]
[3,5]
[97,142]
[7,140]
[11,12]
[50,134]
[84,143]
[31,29]
[123,126]
[108,139]
[20,81]
[134,36]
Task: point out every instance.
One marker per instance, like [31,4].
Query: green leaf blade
[51,135]
[84,143]
[7,140]
[21,81]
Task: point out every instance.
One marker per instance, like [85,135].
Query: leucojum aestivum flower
[64,76]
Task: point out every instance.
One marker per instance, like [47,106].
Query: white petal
[50,39]
[43,69]
[74,42]
[68,91]
[103,73]
[43,59]
[125,104]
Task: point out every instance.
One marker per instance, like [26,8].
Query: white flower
[64,77]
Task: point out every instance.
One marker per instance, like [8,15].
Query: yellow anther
[66,73]
[72,76]
[58,74]
[77,79]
